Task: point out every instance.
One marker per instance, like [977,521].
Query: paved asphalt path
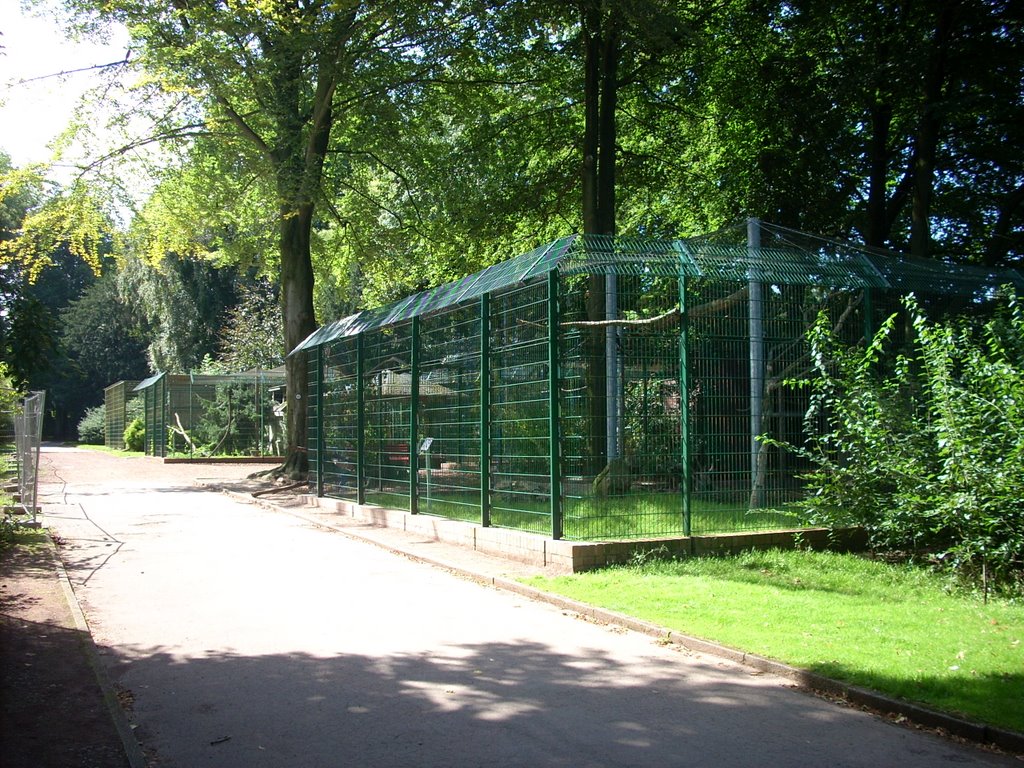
[241,636]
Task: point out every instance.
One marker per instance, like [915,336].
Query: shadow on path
[518,703]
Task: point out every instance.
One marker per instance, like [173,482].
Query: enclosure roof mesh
[123,384]
[784,256]
[149,382]
[272,376]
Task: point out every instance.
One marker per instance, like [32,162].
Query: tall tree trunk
[299,322]
[928,133]
[877,230]
[591,116]
[593,158]
[609,71]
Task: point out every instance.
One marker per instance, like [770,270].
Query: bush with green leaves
[135,435]
[924,445]
[92,426]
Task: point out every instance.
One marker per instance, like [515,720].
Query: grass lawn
[894,629]
[111,451]
[637,515]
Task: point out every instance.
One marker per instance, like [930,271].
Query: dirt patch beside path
[52,708]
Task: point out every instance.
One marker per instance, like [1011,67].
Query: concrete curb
[914,714]
[132,748]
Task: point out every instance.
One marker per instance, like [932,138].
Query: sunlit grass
[895,629]
[111,451]
[647,515]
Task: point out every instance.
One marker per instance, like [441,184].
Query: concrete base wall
[574,556]
[225,460]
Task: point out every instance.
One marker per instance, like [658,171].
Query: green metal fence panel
[414,410]
[338,436]
[153,392]
[208,416]
[316,405]
[387,386]
[519,414]
[121,406]
[554,409]
[602,388]
[449,413]
[484,414]
[621,406]
[740,481]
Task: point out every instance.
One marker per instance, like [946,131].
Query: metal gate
[21,436]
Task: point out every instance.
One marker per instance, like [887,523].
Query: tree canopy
[352,152]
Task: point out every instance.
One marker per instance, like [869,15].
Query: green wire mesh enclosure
[122,405]
[204,416]
[602,388]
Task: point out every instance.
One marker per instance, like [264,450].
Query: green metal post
[320,442]
[485,410]
[553,414]
[686,484]
[414,407]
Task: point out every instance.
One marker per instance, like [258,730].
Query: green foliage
[182,302]
[92,427]
[103,336]
[251,336]
[8,528]
[924,446]
[135,435]
[232,420]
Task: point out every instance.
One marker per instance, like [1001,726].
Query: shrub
[924,447]
[92,427]
[135,435]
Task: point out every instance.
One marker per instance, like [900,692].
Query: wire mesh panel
[314,422]
[621,420]
[185,411]
[449,413]
[520,445]
[746,343]
[671,361]
[339,403]
[154,399]
[21,431]
[387,401]
[121,406]
[28,434]
[204,416]
[8,454]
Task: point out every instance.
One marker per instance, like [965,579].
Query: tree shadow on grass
[990,698]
